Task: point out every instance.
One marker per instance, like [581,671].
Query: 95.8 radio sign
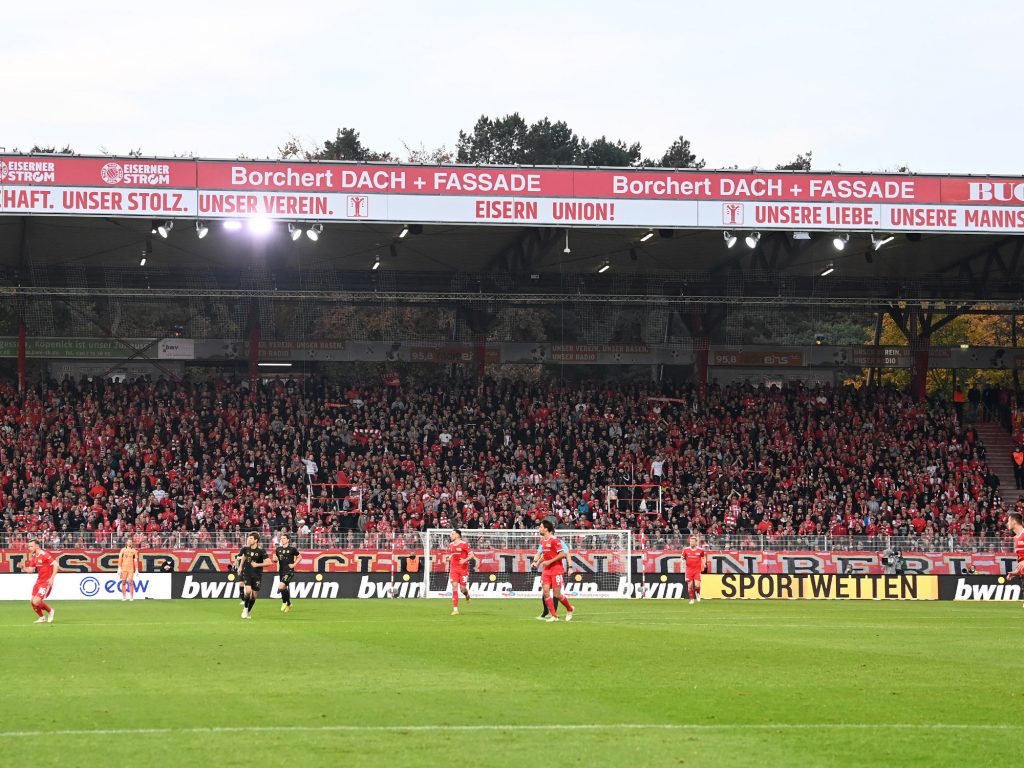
[758,358]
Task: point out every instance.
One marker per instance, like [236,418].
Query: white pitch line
[226,619]
[512,727]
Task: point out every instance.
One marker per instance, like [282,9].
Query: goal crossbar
[599,562]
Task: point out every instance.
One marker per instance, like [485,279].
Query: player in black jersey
[286,556]
[250,561]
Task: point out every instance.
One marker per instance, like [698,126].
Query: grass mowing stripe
[510,727]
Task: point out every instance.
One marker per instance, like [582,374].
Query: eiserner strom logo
[26,171]
[148,174]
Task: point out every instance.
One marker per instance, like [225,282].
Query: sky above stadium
[866,86]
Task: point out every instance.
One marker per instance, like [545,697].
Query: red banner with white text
[666,198]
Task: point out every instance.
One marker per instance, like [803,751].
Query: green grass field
[402,683]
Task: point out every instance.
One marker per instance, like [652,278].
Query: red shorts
[552,579]
[693,575]
[42,590]
[458,577]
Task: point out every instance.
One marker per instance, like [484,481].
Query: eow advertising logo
[91,586]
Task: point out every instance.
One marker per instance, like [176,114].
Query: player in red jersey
[459,555]
[43,563]
[696,563]
[1015,525]
[553,575]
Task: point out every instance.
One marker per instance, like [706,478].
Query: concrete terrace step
[998,449]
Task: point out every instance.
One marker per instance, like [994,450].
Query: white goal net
[599,563]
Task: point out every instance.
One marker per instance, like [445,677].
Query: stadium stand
[220,457]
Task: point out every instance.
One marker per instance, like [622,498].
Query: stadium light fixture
[840,241]
[294,231]
[164,229]
[376,264]
[828,270]
[647,237]
[274,365]
[142,261]
[730,239]
[567,249]
[232,225]
[260,226]
[877,241]
[202,230]
[314,232]
[604,268]
[801,235]
[964,345]
[753,239]
[404,232]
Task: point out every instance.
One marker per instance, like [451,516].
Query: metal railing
[414,542]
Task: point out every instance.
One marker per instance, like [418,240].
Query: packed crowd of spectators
[218,458]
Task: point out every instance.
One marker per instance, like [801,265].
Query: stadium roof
[84,252]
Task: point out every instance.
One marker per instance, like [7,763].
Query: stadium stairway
[998,448]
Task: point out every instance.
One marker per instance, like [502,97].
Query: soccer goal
[599,563]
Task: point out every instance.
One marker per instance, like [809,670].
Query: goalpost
[599,562]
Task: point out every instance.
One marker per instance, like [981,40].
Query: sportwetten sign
[748,586]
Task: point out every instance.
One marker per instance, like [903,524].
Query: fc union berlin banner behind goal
[578,197]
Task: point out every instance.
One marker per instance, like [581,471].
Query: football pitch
[402,683]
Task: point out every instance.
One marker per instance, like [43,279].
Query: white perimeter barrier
[86,586]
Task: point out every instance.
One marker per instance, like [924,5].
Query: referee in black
[251,560]
[286,556]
